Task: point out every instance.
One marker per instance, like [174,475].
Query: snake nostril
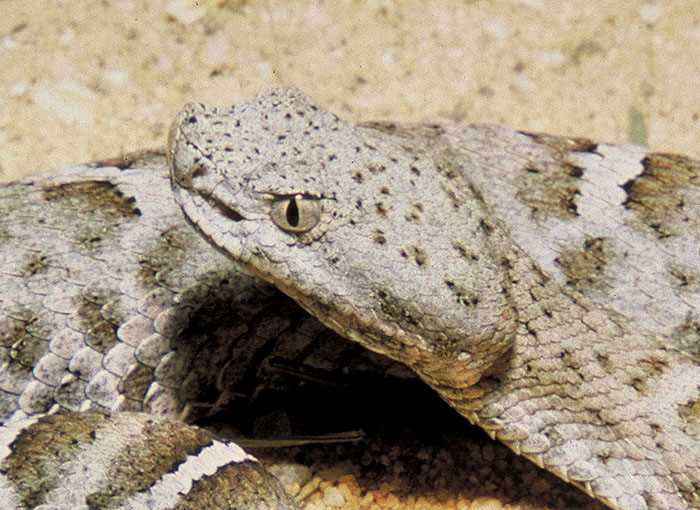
[184,174]
[199,171]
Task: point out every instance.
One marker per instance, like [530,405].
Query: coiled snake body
[546,287]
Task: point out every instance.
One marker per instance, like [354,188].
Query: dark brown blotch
[550,188]
[40,448]
[550,185]
[90,238]
[25,336]
[137,381]
[241,485]
[166,256]
[100,333]
[657,196]
[89,196]
[584,267]
[447,170]
[14,326]
[159,449]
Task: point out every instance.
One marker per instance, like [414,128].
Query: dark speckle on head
[412,217]
[417,254]
[378,237]
[465,252]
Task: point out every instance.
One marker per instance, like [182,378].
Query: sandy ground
[86,80]
[89,79]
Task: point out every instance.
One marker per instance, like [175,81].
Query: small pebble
[333,497]
[482,503]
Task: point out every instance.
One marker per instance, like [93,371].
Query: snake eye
[296,214]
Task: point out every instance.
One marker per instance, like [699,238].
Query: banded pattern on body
[130,461]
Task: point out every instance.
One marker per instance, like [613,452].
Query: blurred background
[92,79]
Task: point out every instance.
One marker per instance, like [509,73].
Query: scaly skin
[99,276]
[110,302]
[547,288]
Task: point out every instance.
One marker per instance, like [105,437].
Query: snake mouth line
[225,210]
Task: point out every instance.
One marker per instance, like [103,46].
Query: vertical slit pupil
[293,213]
